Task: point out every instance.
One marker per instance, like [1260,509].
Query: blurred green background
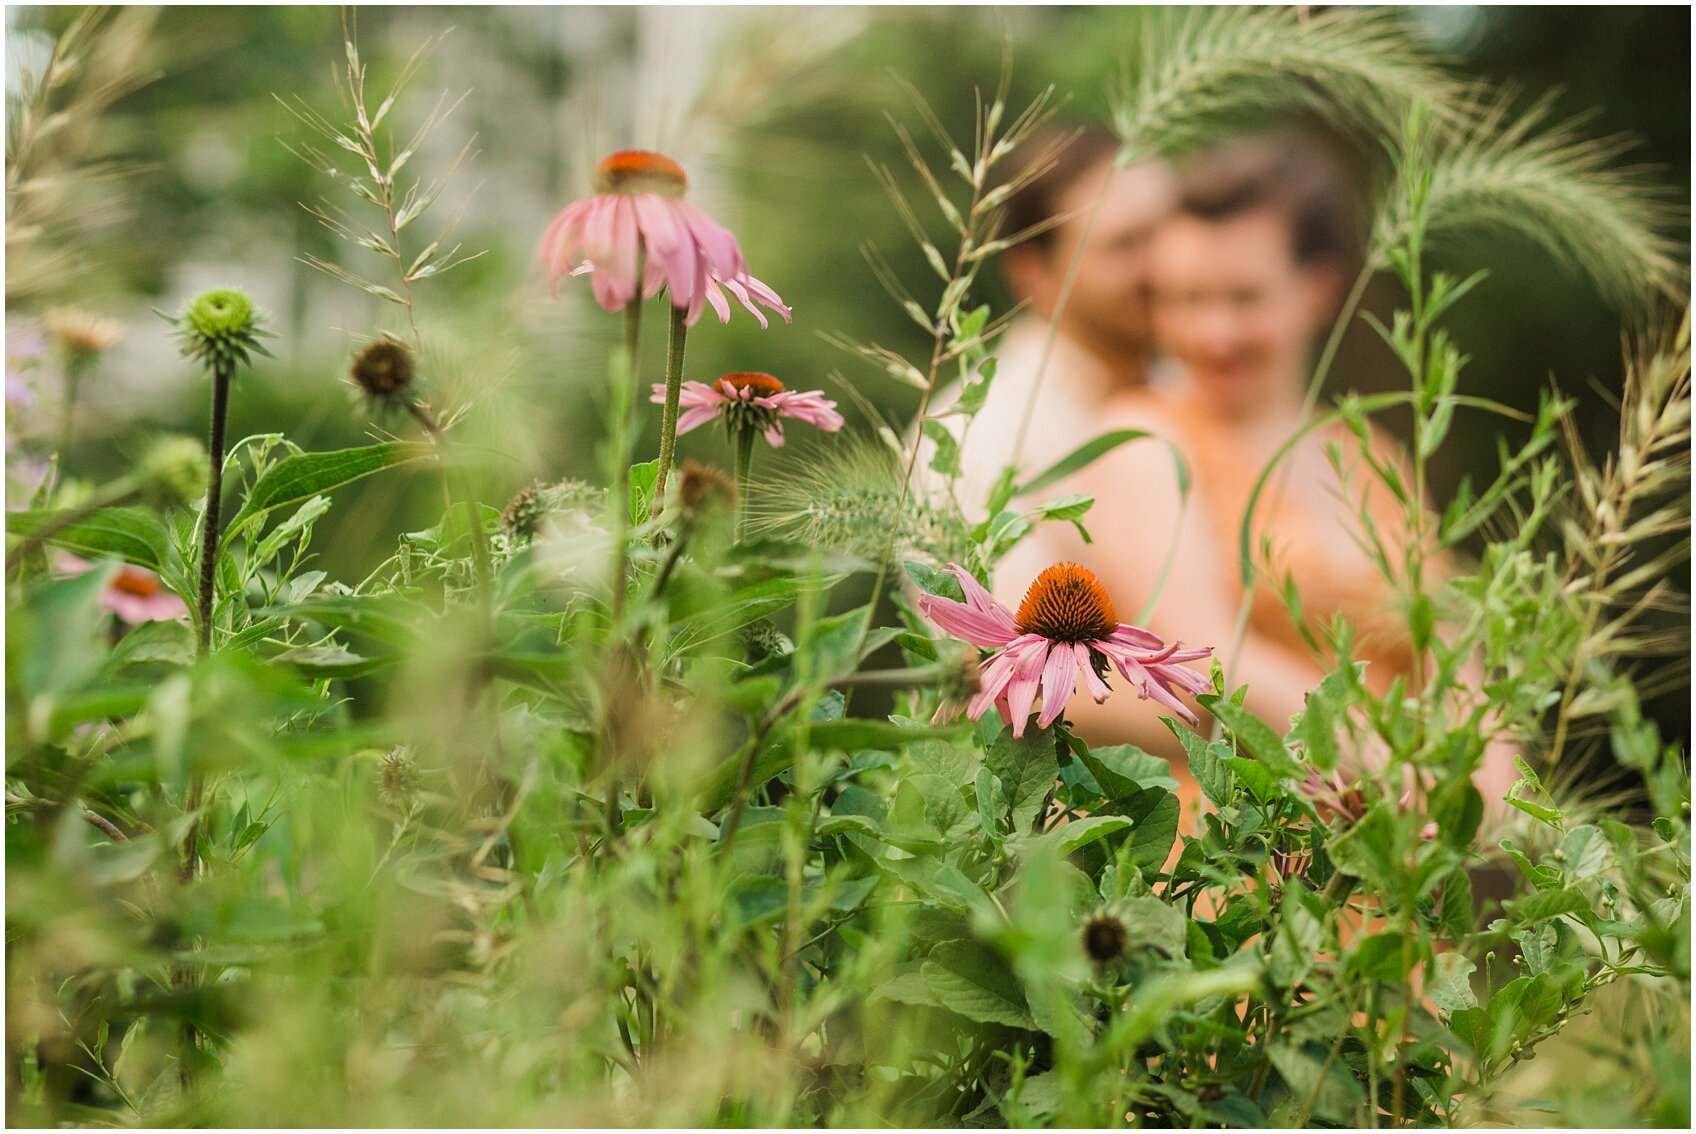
[776,113]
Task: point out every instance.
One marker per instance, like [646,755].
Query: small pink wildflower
[134,595]
[638,205]
[750,400]
[1065,626]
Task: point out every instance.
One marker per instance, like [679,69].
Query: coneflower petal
[1059,680]
[966,623]
[1032,653]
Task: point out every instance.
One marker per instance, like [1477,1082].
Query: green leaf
[1151,922]
[1154,813]
[1367,849]
[304,475]
[1090,451]
[1457,906]
[1549,903]
[57,633]
[1317,729]
[969,981]
[1254,736]
[1379,957]
[1451,991]
[947,456]
[643,477]
[1206,764]
[1335,1093]
[943,584]
[1079,833]
[1122,770]
[331,661]
[1254,777]
[856,733]
[132,534]
[1027,770]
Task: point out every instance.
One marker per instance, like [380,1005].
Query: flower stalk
[673,390]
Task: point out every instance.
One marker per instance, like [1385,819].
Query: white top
[1066,414]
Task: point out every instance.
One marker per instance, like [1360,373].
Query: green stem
[183,976]
[744,470]
[621,491]
[480,562]
[673,388]
[214,489]
[76,365]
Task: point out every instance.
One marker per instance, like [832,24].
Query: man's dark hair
[1299,176]
[1063,155]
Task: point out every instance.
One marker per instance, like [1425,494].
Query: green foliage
[597,826]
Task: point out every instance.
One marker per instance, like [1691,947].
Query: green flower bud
[174,471]
[221,328]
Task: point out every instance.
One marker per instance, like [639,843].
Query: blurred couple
[1188,301]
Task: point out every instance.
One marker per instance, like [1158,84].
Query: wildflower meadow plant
[1064,629]
[637,236]
[611,808]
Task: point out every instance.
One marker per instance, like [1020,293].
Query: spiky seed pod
[383,370]
[524,514]
[398,778]
[702,487]
[221,327]
[1105,938]
[764,640]
[173,471]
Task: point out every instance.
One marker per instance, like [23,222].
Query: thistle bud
[174,471]
[221,327]
[398,778]
[383,369]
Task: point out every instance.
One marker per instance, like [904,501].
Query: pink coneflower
[1065,626]
[638,203]
[752,401]
[134,595]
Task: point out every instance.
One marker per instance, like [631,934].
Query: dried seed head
[1105,938]
[383,369]
[703,487]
